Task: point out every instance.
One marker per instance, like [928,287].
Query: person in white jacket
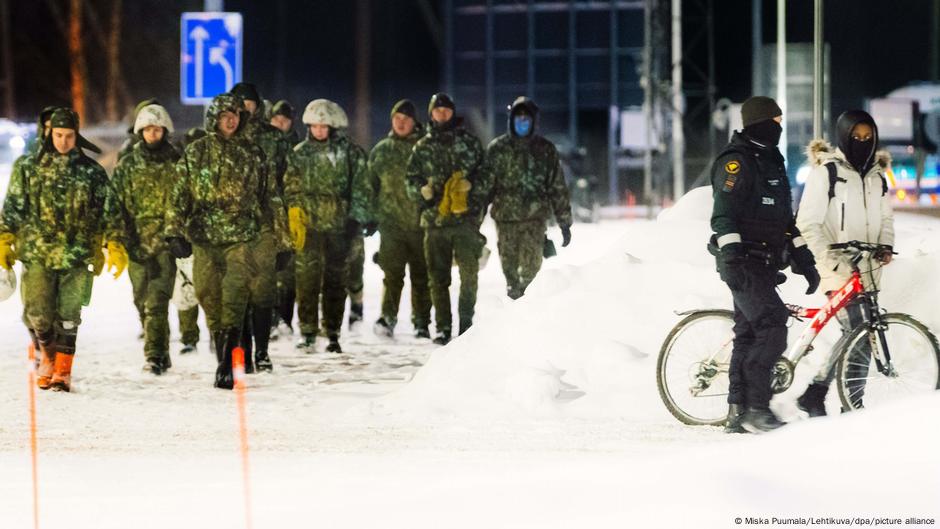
[845,199]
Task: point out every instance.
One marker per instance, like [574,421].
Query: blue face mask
[522,125]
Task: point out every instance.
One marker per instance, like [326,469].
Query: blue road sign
[210,55]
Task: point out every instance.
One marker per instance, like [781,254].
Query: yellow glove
[459,188]
[297,220]
[117,258]
[97,264]
[444,207]
[7,253]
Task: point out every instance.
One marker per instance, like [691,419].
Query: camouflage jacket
[223,194]
[526,180]
[388,162]
[142,183]
[273,143]
[437,156]
[329,181]
[60,206]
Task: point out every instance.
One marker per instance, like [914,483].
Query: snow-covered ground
[545,414]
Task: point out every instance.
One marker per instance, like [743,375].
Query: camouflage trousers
[263,286]
[222,277]
[520,247]
[52,304]
[152,283]
[322,267]
[462,244]
[397,249]
[357,261]
[188,319]
[286,291]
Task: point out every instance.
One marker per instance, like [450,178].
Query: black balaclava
[860,154]
[757,114]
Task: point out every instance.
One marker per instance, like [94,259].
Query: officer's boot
[813,400]
[383,328]
[333,346]
[218,344]
[261,323]
[224,379]
[735,416]
[760,420]
[246,341]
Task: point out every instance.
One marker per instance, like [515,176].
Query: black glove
[180,248]
[282,259]
[730,261]
[803,263]
[352,229]
[565,236]
[369,229]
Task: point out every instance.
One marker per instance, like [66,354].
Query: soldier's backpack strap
[834,178]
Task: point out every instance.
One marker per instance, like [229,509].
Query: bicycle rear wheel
[914,368]
[692,369]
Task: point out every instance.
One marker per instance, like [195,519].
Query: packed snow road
[545,414]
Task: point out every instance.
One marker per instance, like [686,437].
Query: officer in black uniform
[755,237]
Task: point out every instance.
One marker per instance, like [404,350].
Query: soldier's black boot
[246,341]
[382,328]
[355,314]
[813,400]
[443,337]
[333,346]
[760,420]
[308,343]
[224,379]
[261,323]
[735,416]
[218,343]
[422,332]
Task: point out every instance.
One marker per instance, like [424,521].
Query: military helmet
[325,112]
[153,115]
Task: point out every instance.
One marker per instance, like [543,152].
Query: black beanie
[441,99]
[283,108]
[406,107]
[247,91]
[759,108]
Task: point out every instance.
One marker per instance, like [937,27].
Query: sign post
[210,55]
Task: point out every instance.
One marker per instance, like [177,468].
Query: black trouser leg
[759,305]
[261,324]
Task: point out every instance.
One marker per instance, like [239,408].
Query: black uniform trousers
[760,335]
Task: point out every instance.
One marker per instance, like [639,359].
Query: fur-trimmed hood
[820,152]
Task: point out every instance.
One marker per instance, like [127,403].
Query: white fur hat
[153,115]
[325,112]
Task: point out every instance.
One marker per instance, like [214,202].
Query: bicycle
[902,356]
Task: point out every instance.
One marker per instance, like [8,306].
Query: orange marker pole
[238,372]
[32,432]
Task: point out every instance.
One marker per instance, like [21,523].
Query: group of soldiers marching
[258,220]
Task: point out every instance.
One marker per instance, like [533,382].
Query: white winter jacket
[859,211]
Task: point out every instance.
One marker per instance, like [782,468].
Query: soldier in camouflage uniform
[527,189]
[443,177]
[222,200]
[142,182]
[264,292]
[189,318]
[282,117]
[402,239]
[58,212]
[133,139]
[327,192]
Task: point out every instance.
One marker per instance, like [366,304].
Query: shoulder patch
[733,167]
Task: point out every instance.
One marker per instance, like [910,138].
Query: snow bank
[584,340]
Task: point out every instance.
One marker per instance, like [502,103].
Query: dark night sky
[877,45]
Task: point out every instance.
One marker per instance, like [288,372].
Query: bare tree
[79,69]
[114,62]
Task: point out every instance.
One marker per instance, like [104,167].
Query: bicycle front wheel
[914,368]
[692,370]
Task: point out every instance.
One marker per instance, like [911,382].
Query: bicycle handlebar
[862,247]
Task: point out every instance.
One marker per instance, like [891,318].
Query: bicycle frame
[821,316]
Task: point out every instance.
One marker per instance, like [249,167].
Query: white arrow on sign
[199,35]
[217,56]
